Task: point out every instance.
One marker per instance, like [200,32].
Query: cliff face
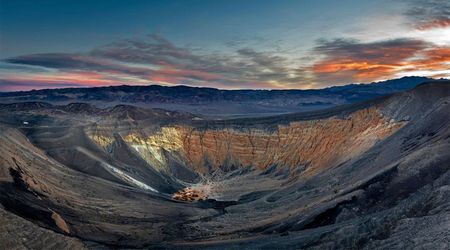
[152,148]
[313,144]
[316,143]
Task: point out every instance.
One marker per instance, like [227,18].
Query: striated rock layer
[315,144]
[312,145]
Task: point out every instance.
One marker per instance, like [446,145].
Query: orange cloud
[434,24]
[434,59]
[350,61]
[331,66]
[84,78]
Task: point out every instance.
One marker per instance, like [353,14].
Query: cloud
[434,24]
[155,59]
[429,14]
[432,59]
[344,61]
[154,50]
[264,60]
[12,85]
[55,60]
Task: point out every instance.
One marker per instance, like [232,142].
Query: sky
[229,44]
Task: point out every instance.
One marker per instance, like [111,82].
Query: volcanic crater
[354,176]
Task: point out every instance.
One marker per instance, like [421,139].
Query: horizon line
[220,89]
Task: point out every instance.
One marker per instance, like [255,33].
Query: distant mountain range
[217,102]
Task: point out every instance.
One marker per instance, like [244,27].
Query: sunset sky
[225,44]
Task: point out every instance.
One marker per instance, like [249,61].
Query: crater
[128,177]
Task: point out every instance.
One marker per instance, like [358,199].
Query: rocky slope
[364,176]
